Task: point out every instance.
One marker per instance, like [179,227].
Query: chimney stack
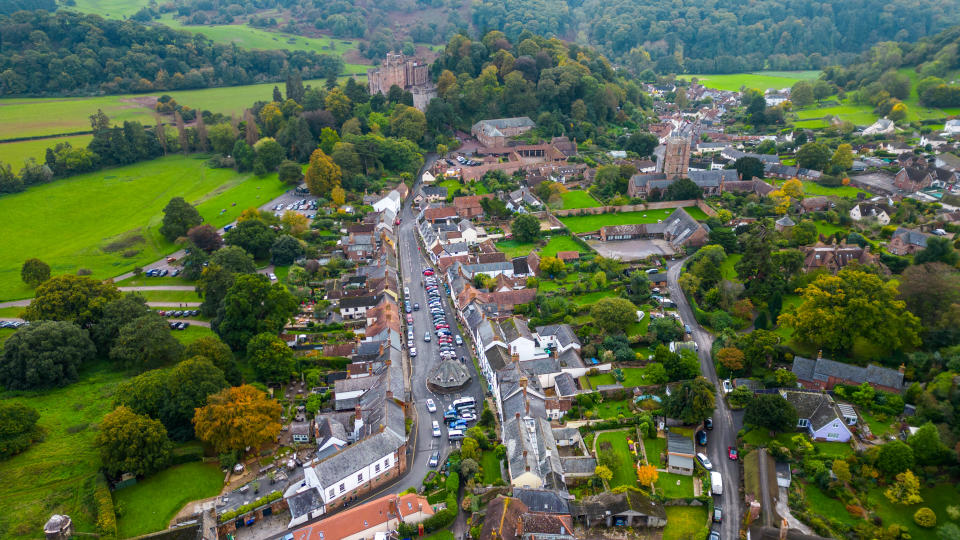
[515,357]
[820,354]
[784,529]
[518,416]
[902,368]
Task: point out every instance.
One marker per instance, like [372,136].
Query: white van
[454,434]
[716,483]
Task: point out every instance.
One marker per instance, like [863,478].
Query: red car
[428,272]
[409,319]
[732,453]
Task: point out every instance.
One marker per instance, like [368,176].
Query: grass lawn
[491,467]
[11,312]
[653,448]
[452,185]
[631,377]
[116,9]
[861,115]
[834,449]
[579,199]
[5,333]
[603,378]
[821,503]
[813,188]
[639,328]
[513,248]
[668,487]
[877,427]
[143,281]
[625,474]
[828,229]
[610,409]
[85,214]
[760,80]
[150,504]
[560,243]
[192,333]
[936,498]
[590,298]
[171,296]
[15,153]
[685,522]
[58,475]
[547,285]
[727,268]
[440,535]
[582,224]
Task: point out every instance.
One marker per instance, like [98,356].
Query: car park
[449,414]
[436,428]
[705,461]
[469,417]
[434,459]
[431,406]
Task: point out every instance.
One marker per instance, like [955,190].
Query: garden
[578,199]
[593,222]
[685,522]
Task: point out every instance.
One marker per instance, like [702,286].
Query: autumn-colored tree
[295,222]
[730,358]
[271,117]
[250,213]
[906,490]
[603,472]
[322,174]
[338,104]
[841,469]
[236,418]
[647,475]
[338,195]
[781,201]
[793,188]
[551,266]
[743,309]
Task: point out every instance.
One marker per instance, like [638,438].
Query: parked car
[436,428]
[727,386]
[705,461]
[434,459]
[431,406]
[459,340]
[413,352]
[732,453]
[702,437]
[717,514]
[708,423]
[426,337]
[714,535]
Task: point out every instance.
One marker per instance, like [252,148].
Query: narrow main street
[725,422]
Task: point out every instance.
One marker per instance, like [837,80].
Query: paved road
[190,288]
[725,424]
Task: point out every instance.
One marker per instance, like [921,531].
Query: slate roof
[540,366]
[541,500]
[305,502]
[565,384]
[785,221]
[822,369]
[678,227]
[354,457]
[359,301]
[498,357]
[449,374]
[515,328]
[578,465]
[564,334]
[436,191]
[908,236]
[713,178]
[520,266]
[819,409]
[617,503]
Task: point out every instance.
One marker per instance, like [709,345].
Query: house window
[377,468]
[833,435]
[386,462]
[360,477]
[332,493]
[803,422]
[342,489]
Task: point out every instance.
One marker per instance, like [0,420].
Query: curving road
[725,422]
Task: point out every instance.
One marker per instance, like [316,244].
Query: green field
[668,486]
[173,297]
[582,224]
[727,269]
[860,115]
[86,213]
[760,80]
[936,498]
[15,153]
[824,505]
[591,298]
[558,243]
[150,504]
[653,448]
[579,199]
[192,333]
[685,522]
[625,474]
[58,475]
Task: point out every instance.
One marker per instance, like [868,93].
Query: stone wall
[660,205]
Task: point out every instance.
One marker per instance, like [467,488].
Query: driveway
[725,424]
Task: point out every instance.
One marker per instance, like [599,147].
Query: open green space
[192,333]
[727,269]
[820,503]
[612,408]
[115,9]
[653,448]
[860,115]
[631,377]
[143,281]
[675,486]
[451,184]
[491,467]
[171,296]
[760,80]
[833,449]
[92,220]
[5,333]
[513,248]
[813,188]
[57,475]
[879,427]
[625,474]
[440,535]
[590,298]
[685,522]
[556,244]
[578,199]
[828,229]
[11,312]
[151,503]
[936,498]
[15,153]
[582,224]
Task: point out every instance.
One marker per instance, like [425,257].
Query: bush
[106,515]
[925,518]
[453,482]
[227,516]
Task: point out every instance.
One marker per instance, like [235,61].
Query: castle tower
[676,157]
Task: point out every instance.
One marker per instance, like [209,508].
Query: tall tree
[129,442]
[692,402]
[294,86]
[212,286]
[525,228]
[749,167]
[34,272]
[270,357]
[252,235]
[937,250]
[772,412]
[182,135]
[838,310]
[203,141]
[814,155]
[251,131]
[613,314]
[145,343]
[205,237]
[160,132]
[234,259]
[218,353]
[322,174]
[116,314]
[45,354]
[77,299]
[178,217]
[236,418]
[285,250]
[252,306]
[18,428]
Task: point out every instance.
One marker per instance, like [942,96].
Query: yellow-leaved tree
[236,418]
[647,475]
[322,174]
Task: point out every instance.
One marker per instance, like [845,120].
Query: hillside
[71,53]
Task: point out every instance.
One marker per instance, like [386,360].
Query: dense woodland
[935,60]
[69,53]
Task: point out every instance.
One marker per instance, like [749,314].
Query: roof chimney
[515,357]
[784,529]
[820,354]
[518,416]
[902,368]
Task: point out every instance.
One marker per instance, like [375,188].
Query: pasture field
[760,80]
[15,153]
[115,9]
[91,220]
[579,199]
[58,474]
[151,503]
[581,224]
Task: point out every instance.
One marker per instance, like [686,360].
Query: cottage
[824,374]
[820,416]
[815,204]
[680,454]
[878,212]
[469,206]
[834,257]
[391,202]
[913,179]
[626,509]
[906,242]
[355,307]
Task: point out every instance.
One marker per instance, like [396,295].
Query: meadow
[57,475]
[90,221]
[587,223]
[116,9]
[579,199]
[15,153]
[760,80]
[685,522]
[151,503]
[513,248]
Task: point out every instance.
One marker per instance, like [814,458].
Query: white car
[727,386]
[431,406]
[469,417]
[413,352]
[705,461]
[436,428]
[273,277]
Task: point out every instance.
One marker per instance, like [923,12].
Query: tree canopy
[772,412]
[45,354]
[252,306]
[692,402]
[77,299]
[525,228]
[132,443]
[236,418]
[178,218]
[270,357]
[145,343]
